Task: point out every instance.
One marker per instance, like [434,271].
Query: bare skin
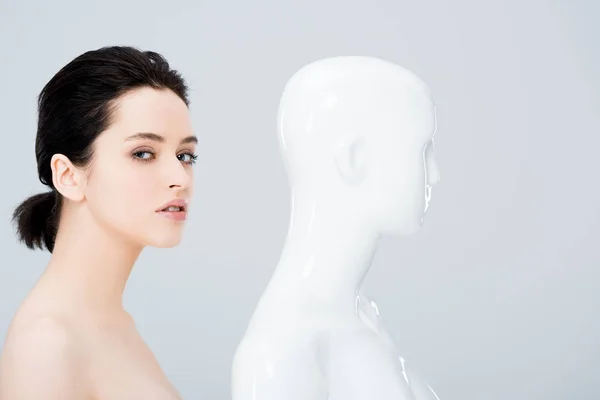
[71,338]
[75,355]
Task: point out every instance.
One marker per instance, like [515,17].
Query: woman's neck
[90,265]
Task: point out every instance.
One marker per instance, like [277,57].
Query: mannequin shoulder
[275,346]
[40,360]
[278,368]
[419,387]
[368,311]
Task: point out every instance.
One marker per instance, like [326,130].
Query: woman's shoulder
[39,339]
[26,328]
[39,357]
[36,320]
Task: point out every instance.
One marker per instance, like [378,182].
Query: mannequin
[356,137]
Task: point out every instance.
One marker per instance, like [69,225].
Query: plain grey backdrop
[495,298]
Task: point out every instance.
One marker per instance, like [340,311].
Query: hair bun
[36,220]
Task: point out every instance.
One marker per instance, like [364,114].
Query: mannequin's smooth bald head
[356,130]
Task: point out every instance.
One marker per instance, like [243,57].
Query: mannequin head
[114,144]
[356,134]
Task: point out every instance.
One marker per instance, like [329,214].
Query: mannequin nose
[433,172]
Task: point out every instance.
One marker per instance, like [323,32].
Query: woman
[116,148]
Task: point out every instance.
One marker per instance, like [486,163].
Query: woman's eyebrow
[158,138]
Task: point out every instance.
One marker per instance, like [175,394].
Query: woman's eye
[143,155]
[187,158]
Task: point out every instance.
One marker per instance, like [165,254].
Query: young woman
[115,147]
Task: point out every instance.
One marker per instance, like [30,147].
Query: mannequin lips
[175,209]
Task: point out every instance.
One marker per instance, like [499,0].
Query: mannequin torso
[315,354]
[356,134]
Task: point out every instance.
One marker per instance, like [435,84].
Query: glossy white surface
[356,136]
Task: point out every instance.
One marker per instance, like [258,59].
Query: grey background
[495,298]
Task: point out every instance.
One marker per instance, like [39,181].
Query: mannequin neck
[326,256]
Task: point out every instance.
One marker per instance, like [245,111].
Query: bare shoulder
[41,359]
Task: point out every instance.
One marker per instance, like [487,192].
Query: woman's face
[142,162]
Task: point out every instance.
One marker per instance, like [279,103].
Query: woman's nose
[178,176]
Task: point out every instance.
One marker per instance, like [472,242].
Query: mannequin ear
[350,159]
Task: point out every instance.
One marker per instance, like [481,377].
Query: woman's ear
[67,179]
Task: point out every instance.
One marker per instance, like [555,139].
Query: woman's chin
[165,242]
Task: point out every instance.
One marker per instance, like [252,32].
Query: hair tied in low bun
[36,219]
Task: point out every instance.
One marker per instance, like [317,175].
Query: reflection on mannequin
[356,135]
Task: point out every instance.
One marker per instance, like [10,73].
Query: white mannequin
[356,134]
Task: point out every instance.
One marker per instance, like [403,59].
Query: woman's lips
[175,209]
[174,215]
